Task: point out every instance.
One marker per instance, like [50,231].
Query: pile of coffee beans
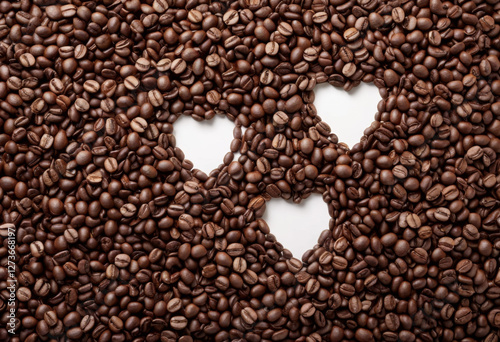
[120,238]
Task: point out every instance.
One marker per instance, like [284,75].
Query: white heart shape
[347,113]
[205,143]
[297,226]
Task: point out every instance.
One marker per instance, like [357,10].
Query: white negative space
[297,226]
[205,143]
[347,113]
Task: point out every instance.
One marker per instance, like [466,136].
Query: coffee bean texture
[119,237]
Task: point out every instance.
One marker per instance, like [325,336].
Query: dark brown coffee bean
[178,322]
[37,249]
[115,324]
[50,317]
[23,294]
[131,82]
[249,316]
[463,315]
[128,210]
[174,305]
[41,288]
[122,260]
[392,321]
[155,98]
[27,60]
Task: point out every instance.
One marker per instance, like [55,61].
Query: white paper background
[296,226]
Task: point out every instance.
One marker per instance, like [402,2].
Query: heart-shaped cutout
[205,143]
[297,226]
[347,113]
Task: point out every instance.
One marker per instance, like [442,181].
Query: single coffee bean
[307,310]
[463,315]
[112,272]
[71,235]
[122,260]
[178,66]
[46,141]
[442,214]
[285,29]
[23,294]
[239,265]
[174,305]
[87,323]
[231,17]
[351,34]
[178,322]
[131,82]
[128,210]
[163,65]
[139,125]
[50,317]
[82,105]
[27,60]
[249,316]
[41,288]
[155,98]
[115,324]
[37,249]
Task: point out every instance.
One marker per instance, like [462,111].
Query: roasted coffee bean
[41,288]
[115,324]
[82,105]
[249,316]
[37,249]
[128,210]
[122,260]
[178,322]
[463,315]
[174,305]
[111,165]
[50,317]
[87,323]
[46,141]
[155,98]
[27,60]
[131,82]
[23,294]
[139,125]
